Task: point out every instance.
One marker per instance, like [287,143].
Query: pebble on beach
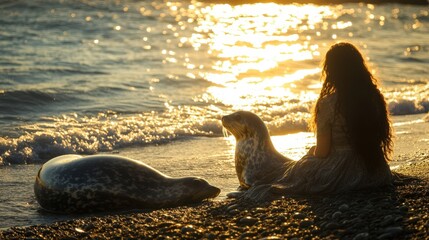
[393,213]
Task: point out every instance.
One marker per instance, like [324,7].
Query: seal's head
[193,190]
[244,124]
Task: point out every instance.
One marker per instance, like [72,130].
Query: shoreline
[209,158]
[398,212]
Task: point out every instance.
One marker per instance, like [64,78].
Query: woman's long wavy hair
[359,101]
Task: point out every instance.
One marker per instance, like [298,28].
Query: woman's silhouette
[354,135]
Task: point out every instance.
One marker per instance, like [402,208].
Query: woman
[354,135]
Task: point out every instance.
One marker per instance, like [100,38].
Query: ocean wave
[408,107]
[74,70]
[408,100]
[27,96]
[109,131]
[28,100]
[413,60]
[101,133]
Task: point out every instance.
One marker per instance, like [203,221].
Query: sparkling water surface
[92,76]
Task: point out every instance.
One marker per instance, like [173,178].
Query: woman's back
[357,99]
[330,118]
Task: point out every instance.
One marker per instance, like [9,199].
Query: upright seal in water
[72,183]
[256,160]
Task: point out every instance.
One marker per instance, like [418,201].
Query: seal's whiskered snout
[244,124]
[200,189]
[225,132]
[235,117]
[215,191]
[234,123]
[224,120]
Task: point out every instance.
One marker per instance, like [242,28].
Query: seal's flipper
[235,194]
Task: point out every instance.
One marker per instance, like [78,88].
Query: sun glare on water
[264,60]
[262,53]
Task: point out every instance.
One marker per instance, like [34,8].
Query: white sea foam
[109,131]
[408,100]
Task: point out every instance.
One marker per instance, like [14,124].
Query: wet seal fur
[257,162]
[72,183]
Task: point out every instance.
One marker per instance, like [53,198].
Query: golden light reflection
[258,57]
[262,54]
[259,90]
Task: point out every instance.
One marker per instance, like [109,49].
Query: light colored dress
[343,170]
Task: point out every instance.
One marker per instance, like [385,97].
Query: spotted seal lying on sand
[72,183]
[256,160]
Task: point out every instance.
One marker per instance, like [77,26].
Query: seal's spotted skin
[72,183]
[256,159]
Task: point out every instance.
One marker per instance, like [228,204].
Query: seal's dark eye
[237,117]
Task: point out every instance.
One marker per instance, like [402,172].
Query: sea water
[151,80]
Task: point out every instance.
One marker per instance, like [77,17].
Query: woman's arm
[323,145]
[324,122]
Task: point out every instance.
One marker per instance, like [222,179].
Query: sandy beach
[399,212]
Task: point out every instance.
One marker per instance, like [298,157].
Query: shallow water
[151,79]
